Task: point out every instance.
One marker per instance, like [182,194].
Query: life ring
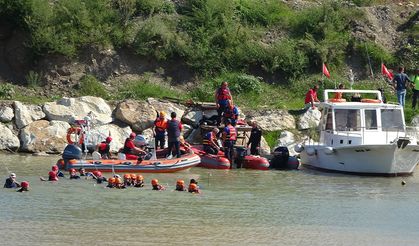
[76,131]
[337,100]
[366,100]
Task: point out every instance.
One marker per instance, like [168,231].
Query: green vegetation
[144,89]
[271,138]
[90,86]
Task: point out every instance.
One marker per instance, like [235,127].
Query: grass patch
[271,138]
[90,86]
[141,90]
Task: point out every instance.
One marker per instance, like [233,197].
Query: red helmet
[139,177]
[109,139]
[72,170]
[98,174]
[193,187]
[24,184]
[132,135]
[154,182]
[55,168]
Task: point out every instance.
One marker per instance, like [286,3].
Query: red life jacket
[231,134]
[223,94]
[208,138]
[229,113]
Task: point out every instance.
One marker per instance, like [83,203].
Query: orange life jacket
[231,134]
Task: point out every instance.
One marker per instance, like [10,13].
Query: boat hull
[220,162]
[146,166]
[374,160]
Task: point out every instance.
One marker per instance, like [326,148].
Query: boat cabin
[359,121]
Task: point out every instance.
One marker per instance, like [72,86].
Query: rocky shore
[42,129]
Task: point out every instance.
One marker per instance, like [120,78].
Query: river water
[244,207]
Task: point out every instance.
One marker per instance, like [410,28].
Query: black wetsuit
[10,183]
[254,140]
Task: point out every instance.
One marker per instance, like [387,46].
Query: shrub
[272,138]
[159,38]
[150,7]
[7,91]
[144,90]
[265,12]
[375,52]
[33,79]
[90,86]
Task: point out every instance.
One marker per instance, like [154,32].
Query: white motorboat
[367,137]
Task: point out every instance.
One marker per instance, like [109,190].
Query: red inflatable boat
[220,162]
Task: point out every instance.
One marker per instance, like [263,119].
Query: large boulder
[6,114]
[118,134]
[415,121]
[68,109]
[26,114]
[309,119]
[138,114]
[44,136]
[167,107]
[8,141]
[287,139]
[272,120]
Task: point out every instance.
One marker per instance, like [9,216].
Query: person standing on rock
[174,130]
[415,81]
[160,126]
[311,97]
[254,139]
[222,100]
[400,84]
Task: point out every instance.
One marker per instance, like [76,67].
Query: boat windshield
[392,120]
[347,119]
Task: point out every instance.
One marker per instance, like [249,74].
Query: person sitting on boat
[111,182]
[174,130]
[73,174]
[130,150]
[11,182]
[210,142]
[193,188]
[232,113]
[222,99]
[229,139]
[24,186]
[104,148]
[180,185]
[311,97]
[139,181]
[254,139]
[338,95]
[156,185]
[160,127]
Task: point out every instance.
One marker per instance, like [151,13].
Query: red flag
[384,71]
[325,71]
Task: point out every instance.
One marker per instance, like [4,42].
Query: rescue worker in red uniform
[130,150]
[160,126]
[222,100]
[210,142]
[229,139]
[104,148]
[232,113]
[174,129]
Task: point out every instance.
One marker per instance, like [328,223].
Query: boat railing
[390,133]
[377,92]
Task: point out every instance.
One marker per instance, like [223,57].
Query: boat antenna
[369,60]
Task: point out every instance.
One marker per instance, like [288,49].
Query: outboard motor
[240,154]
[280,160]
[72,152]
